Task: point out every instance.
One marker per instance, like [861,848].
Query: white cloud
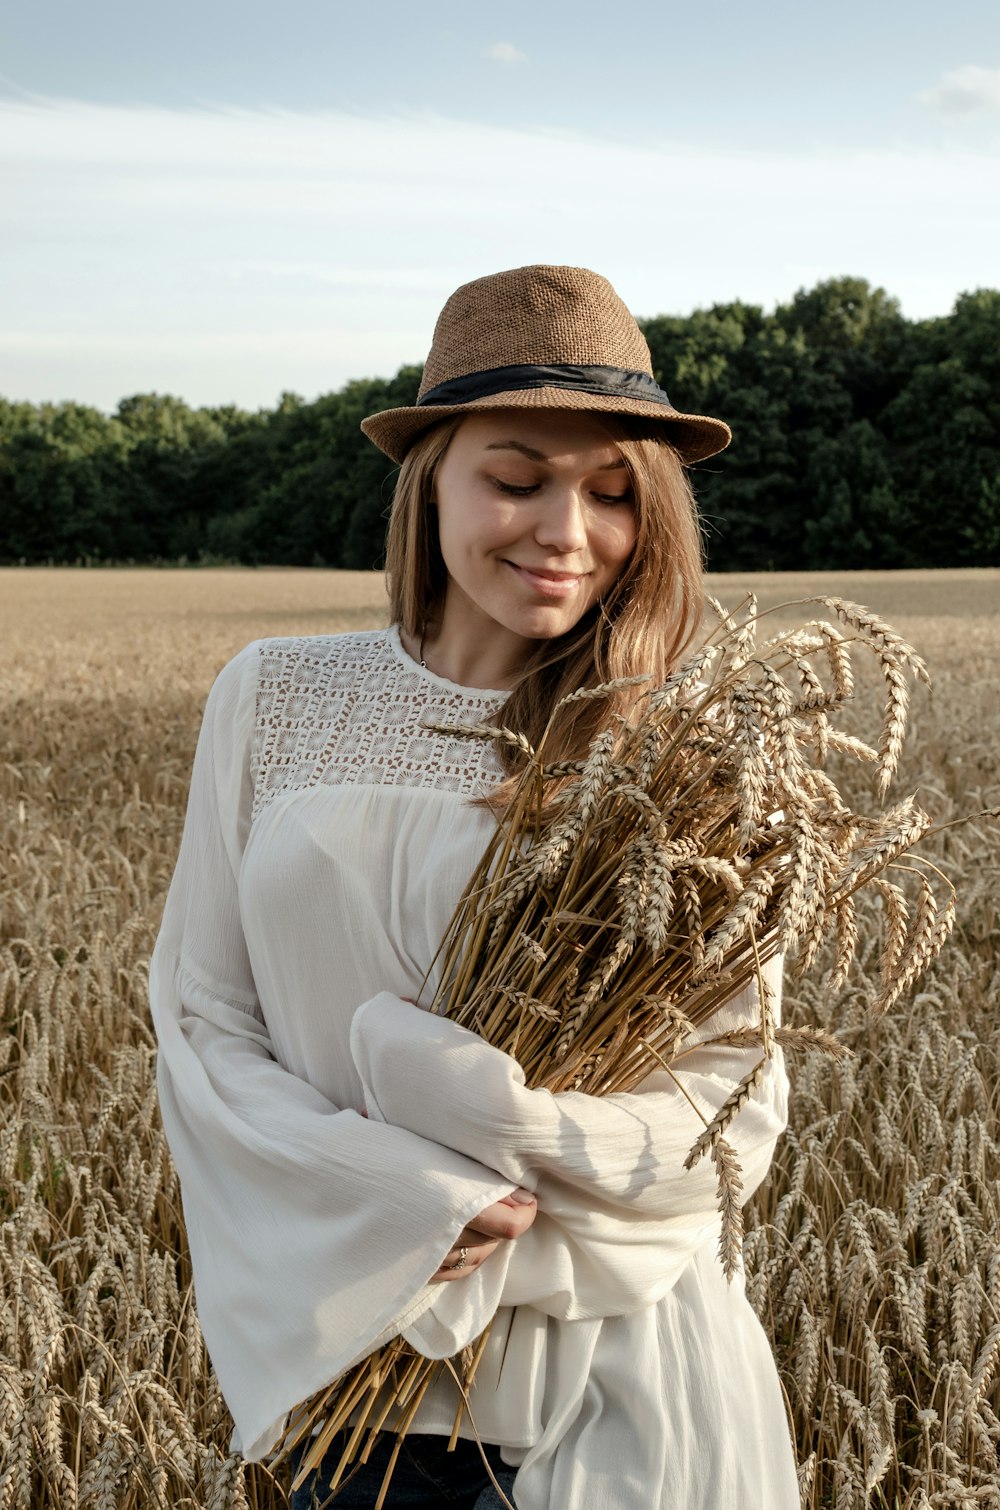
[963,91]
[505,52]
[225,255]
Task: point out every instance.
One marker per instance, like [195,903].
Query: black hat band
[609,382]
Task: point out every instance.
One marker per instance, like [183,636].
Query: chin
[546,624]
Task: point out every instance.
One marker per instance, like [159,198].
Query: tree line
[862,439]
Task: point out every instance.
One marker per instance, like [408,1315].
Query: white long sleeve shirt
[328,838]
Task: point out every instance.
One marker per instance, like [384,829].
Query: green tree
[61,482]
[764,380]
[325,505]
[170,444]
[860,439]
[854,517]
[941,433]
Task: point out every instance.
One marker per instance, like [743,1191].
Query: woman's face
[535,519]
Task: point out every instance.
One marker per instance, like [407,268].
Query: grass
[873,1251]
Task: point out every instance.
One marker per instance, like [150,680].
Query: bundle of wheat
[627,896]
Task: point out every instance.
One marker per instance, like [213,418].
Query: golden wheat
[873,1253]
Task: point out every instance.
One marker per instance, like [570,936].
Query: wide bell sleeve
[313,1232]
[619,1215]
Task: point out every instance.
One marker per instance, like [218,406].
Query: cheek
[483,523]
[468,529]
[618,540]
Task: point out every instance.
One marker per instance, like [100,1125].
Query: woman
[354,1168]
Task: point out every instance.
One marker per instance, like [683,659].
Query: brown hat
[541,338]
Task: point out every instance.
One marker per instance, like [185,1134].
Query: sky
[225,201]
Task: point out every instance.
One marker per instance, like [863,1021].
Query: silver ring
[463,1259]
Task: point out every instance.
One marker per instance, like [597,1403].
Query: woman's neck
[492,663]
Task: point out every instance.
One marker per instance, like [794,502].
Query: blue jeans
[426,1477]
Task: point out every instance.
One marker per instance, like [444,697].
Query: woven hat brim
[693,436]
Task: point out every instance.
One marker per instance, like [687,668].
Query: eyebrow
[533,455]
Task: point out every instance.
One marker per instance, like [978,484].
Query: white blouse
[328,838]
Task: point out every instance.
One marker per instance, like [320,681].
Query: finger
[471,1246]
[504,1221]
[462,1261]
[474,1237]
[519,1197]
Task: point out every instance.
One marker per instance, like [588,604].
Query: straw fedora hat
[541,338]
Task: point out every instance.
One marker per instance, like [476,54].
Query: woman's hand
[499,1223]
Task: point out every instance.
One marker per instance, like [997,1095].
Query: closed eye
[525,490]
[518,490]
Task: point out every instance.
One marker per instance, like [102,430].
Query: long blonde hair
[643,625]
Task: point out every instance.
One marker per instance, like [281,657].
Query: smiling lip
[550,584]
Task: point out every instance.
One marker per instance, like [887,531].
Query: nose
[562,520]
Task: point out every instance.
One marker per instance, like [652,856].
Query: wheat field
[873,1253]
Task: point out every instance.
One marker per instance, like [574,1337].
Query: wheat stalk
[696,840]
